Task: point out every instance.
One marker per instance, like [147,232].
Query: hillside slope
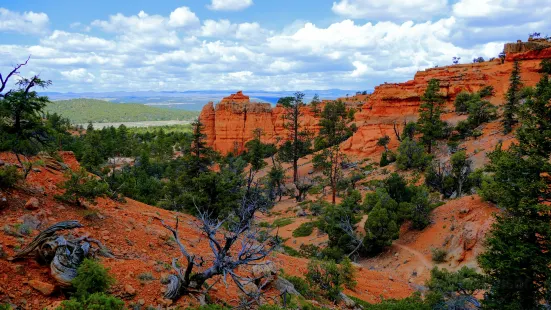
[133,232]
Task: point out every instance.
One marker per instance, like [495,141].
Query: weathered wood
[44,237]
[67,258]
[173,288]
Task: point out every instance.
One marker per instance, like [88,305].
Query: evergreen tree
[517,257]
[333,131]
[512,99]
[22,130]
[429,124]
[299,142]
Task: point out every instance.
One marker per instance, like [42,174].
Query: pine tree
[512,99]
[429,123]
[333,131]
[517,257]
[299,142]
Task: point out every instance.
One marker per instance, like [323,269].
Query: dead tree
[64,254]
[397,132]
[303,186]
[350,230]
[15,71]
[231,248]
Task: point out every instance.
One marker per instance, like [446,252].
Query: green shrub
[91,278]
[326,277]
[439,255]
[387,158]
[81,185]
[9,176]
[462,102]
[282,222]
[304,230]
[290,251]
[348,273]
[302,286]
[411,155]
[96,301]
[5,307]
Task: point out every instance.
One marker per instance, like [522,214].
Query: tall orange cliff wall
[397,102]
[231,123]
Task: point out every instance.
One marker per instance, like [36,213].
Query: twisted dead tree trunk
[237,246]
[63,255]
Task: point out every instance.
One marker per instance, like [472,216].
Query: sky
[275,45]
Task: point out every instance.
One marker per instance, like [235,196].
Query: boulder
[347,301]
[283,285]
[46,289]
[32,204]
[469,236]
[266,270]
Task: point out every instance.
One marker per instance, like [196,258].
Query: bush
[9,176]
[461,102]
[439,255]
[282,222]
[411,155]
[81,185]
[91,278]
[387,157]
[348,273]
[326,277]
[302,286]
[304,230]
[96,301]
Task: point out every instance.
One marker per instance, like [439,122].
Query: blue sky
[254,44]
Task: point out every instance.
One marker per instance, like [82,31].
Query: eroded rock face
[231,123]
[399,102]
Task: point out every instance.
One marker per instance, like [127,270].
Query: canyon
[229,124]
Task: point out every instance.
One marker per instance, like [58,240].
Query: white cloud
[76,41]
[182,17]
[26,23]
[398,10]
[177,51]
[229,5]
[79,75]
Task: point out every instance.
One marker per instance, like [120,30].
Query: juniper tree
[512,99]
[429,124]
[517,256]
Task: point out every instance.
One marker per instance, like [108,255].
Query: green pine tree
[429,124]
[512,99]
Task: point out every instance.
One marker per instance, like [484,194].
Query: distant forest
[80,111]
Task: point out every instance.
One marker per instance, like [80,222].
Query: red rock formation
[397,102]
[231,123]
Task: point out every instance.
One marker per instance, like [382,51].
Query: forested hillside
[100,111]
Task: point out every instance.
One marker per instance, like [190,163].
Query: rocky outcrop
[234,120]
[399,102]
[231,123]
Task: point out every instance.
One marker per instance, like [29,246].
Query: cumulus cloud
[26,22]
[178,51]
[78,75]
[396,10]
[229,5]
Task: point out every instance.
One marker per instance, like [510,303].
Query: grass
[304,230]
[167,129]
[282,222]
[80,111]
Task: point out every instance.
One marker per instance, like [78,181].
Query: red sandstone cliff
[231,123]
